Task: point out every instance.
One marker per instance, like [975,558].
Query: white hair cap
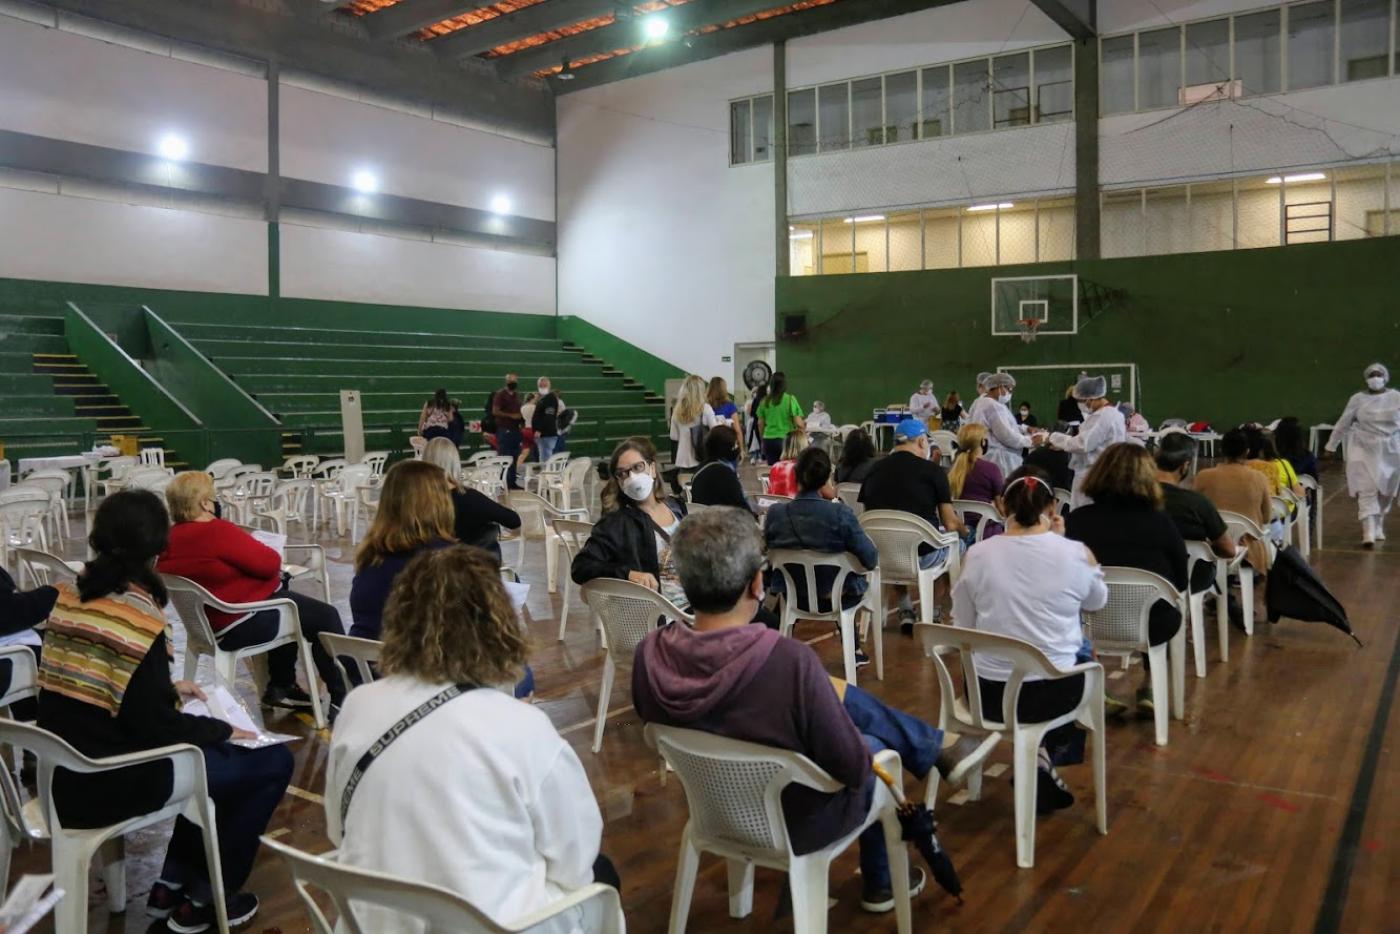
[1378,368]
[982,379]
[1091,387]
[1000,381]
[926,384]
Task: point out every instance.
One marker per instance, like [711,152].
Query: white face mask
[1085,410]
[1375,382]
[638,486]
[1006,399]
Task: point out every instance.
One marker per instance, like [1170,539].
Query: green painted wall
[1222,337]
[649,370]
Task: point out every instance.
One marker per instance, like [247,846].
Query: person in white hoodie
[477,793]
[1370,427]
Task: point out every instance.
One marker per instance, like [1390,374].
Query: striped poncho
[92,649]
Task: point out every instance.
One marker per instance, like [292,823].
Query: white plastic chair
[1197,552]
[629,611]
[570,535]
[299,466]
[1240,526]
[56,483]
[734,791]
[153,457]
[1284,515]
[222,466]
[1120,629]
[783,560]
[117,469]
[22,517]
[363,653]
[849,493]
[73,849]
[1313,502]
[366,503]
[534,473]
[289,502]
[945,441]
[439,909]
[570,483]
[958,712]
[375,461]
[1063,498]
[341,494]
[537,518]
[193,602]
[489,475]
[40,568]
[313,558]
[985,514]
[898,535]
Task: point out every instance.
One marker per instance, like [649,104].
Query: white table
[1315,436]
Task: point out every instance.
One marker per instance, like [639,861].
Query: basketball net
[1029,327]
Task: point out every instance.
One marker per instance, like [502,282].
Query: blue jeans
[508,445]
[545,447]
[526,685]
[918,744]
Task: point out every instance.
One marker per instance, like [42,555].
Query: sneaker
[1052,794]
[880,901]
[955,761]
[1145,705]
[291,697]
[861,659]
[163,899]
[192,918]
[1113,707]
[906,622]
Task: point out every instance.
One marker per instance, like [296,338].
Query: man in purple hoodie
[748,683]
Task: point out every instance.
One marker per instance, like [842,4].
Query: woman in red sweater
[237,568]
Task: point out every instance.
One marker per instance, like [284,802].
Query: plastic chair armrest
[612,906]
[289,624]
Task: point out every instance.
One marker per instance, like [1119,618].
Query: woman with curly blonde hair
[475,792]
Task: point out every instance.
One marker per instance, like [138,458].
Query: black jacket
[623,541]
[23,609]
[717,484]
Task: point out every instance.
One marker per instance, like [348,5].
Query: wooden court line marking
[279,832]
[960,798]
[305,795]
[830,635]
[992,771]
[593,720]
[1221,780]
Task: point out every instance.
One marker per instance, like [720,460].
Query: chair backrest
[354,476]
[55,481]
[438,908]
[1063,498]
[39,568]
[944,440]
[155,479]
[791,561]
[24,674]
[576,472]
[375,460]
[329,468]
[734,789]
[1025,660]
[1240,526]
[573,534]
[849,493]
[117,467]
[844,431]
[1122,623]
[482,455]
[191,602]
[300,466]
[535,512]
[898,535]
[363,653]
[1199,551]
[1280,506]
[19,493]
[222,466]
[629,611]
[985,514]
[1173,423]
[153,456]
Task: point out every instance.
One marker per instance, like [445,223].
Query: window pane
[902,107]
[1168,224]
[1056,231]
[802,122]
[1310,27]
[1208,53]
[802,246]
[1212,225]
[1011,90]
[1257,49]
[1360,202]
[1257,206]
[1159,68]
[1054,84]
[936,102]
[1365,39]
[870,243]
[979,238]
[1116,75]
[1120,224]
[739,132]
[1307,216]
[906,251]
[762,128]
[867,114]
[1016,233]
[941,238]
[834,118]
[971,100]
[837,255]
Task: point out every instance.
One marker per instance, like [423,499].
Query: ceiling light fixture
[566,70]
[867,219]
[1003,206]
[500,205]
[800,235]
[364,181]
[173,147]
[1303,177]
[656,27]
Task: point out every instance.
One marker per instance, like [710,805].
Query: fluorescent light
[656,27]
[1003,206]
[364,181]
[800,235]
[867,219]
[1303,177]
[173,147]
[500,205]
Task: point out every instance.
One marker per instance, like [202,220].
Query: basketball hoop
[1028,328]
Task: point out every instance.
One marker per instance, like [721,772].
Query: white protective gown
[1370,428]
[1005,439]
[1097,432]
[923,407]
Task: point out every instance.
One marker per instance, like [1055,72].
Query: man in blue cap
[908,481]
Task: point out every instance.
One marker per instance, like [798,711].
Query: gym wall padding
[1221,337]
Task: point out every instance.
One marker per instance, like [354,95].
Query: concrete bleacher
[297,374]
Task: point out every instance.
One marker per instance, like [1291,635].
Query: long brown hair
[1124,474]
[970,439]
[612,496]
[718,392]
[448,618]
[414,509]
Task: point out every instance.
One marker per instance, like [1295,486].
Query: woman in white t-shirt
[1031,583]
[480,794]
[692,412]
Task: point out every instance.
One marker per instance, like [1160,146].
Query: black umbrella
[917,823]
[1294,590]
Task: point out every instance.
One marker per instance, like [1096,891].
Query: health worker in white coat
[1370,429]
[923,404]
[1103,425]
[1006,440]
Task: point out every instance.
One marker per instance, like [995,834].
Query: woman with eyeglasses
[632,541]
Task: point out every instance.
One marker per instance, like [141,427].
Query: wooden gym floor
[1268,810]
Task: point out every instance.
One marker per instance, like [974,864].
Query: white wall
[71,87]
[660,241]
[326,138]
[73,239]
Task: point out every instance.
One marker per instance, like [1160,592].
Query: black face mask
[511,386]
[218,509]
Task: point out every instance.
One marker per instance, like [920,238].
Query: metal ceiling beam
[764,32]
[628,32]
[531,21]
[1079,18]
[408,16]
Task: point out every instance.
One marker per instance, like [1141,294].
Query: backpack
[545,420]
[566,420]
[488,419]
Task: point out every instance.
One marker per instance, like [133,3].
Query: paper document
[222,705]
[23,637]
[518,594]
[274,540]
[28,904]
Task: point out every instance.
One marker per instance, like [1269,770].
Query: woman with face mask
[1370,428]
[632,541]
[1006,440]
